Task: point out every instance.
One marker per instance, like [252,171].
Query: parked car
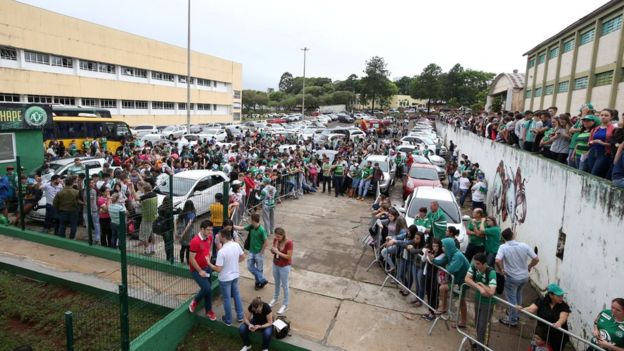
[420,175]
[423,196]
[142,130]
[217,133]
[387,166]
[345,118]
[173,132]
[195,129]
[199,186]
[154,138]
[276,120]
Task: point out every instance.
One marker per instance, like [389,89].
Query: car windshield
[423,173]
[52,169]
[170,129]
[143,127]
[181,186]
[448,207]
[211,131]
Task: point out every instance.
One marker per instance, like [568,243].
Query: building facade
[50,58]
[582,63]
[508,90]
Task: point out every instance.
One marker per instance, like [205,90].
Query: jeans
[205,288]
[51,219]
[483,314]
[255,265]
[66,217]
[114,235]
[267,333]
[618,182]
[419,280]
[229,291]
[355,184]
[462,198]
[327,180]
[598,163]
[338,180]
[363,187]
[95,219]
[513,294]
[388,254]
[280,275]
[268,218]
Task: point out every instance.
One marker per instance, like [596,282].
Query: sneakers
[272,303]
[246,348]
[192,306]
[259,286]
[211,315]
[226,323]
[507,322]
[282,309]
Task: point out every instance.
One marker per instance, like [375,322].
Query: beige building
[509,87]
[582,63]
[51,58]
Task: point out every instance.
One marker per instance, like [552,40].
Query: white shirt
[227,258]
[515,255]
[50,191]
[477,195]
[464,183]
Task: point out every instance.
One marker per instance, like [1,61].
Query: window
[182,106]
[236,116]
[182,79]
[108,103]
[168,105]
[203,107]
[237,94]
[549,89]
[141,104]
[9,97]
[587,37]
[106,68]
[236,105]
[134,72]
[214,107]
[7,147]
[611,25]
[157,105]
[527,94]
[90,102]
[40,99]
[553,53]
[36,57]
[162,76]
[604,78]
[568,45]
[64,100]
[214,83]
[581,83]
[7,53]
[61,61]
[531,62]
[538,92]
[88,65]
[541,58]
[563,87]
[127,104]
[203,82]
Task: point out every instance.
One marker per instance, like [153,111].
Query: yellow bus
[69,128]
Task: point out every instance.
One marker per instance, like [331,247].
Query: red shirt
[281,261]
[249,185]
[202,249]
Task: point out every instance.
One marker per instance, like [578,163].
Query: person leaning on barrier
[553,309]
[482,278]
[608,330]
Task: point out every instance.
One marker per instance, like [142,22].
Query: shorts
[145,230]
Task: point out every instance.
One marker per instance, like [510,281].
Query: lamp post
[305,51]
[188,69]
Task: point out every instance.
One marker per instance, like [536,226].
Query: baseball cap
[555,289]
[592,118]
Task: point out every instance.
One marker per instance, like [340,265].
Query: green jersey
[339,170]
[267,195]
[366,172]
[610,330]
[488,278]
[86,144]
[438,223]
[4,220]
[73,149]
[103,143]
[257,236]
[492,239]
[422,222]
[475,240]
[582,143]
[326,167]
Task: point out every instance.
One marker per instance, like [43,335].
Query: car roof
[197,174]
[423,165]
[433,193]
[65,161]
[382,158]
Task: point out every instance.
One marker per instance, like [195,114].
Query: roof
[198,174]
[581,22]
[516,79]
[434,193]
[382,158]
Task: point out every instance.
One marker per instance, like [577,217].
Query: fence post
[226,199]
[20,194]
[124,325]
[69,330]
[88,204]
[168,237]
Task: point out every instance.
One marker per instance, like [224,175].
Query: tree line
[455,88]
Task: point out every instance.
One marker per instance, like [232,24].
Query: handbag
[247,243]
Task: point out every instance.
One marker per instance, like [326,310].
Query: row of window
[608,26]
[600,79]
[9,53]
[45,99]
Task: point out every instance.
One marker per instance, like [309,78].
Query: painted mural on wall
[508,195]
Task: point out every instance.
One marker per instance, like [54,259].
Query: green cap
[592,118]
[589,105]
[266,180]
[555,289]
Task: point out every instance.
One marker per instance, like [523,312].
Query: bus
[72,128]
[80,111]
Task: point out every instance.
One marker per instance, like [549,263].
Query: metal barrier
[541,333]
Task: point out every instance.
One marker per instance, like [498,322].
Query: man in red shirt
[200,247]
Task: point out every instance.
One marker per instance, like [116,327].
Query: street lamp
[305,51]
[188,69]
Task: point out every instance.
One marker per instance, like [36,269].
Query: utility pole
[188,70]
[305,51]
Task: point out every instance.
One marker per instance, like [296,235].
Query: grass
[203,338]
[32,313]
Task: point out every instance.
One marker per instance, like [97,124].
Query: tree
[286,82]
[428,85]
[376,85]
[252,99]
[403,85]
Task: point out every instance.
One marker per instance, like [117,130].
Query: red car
[276,121]
[420,174]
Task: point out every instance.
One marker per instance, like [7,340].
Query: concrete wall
[558,199]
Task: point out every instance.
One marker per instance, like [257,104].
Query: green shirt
[610,330]
[267,195]
[149,208]
[475,240]
[488,278]
[422,222]
[577,125]
[338,170]
[326,167]
[492,239]
[582,143]
[4,220]
[438,223]
[257,236]
[366,172]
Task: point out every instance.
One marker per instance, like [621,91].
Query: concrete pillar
[488,103]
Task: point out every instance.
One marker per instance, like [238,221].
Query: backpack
[283,332]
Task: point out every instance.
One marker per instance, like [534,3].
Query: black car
[345,119]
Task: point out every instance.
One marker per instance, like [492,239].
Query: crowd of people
[591,140]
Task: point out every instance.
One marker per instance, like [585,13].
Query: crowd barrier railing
[531,331]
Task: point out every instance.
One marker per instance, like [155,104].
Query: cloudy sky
[266,35]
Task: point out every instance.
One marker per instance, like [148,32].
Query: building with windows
[507,92]
[51,58]
[581,63]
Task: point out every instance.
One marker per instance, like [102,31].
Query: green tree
[286,82]
[428,85]
[403,85]
[313,90]
[376,85]
[252,99]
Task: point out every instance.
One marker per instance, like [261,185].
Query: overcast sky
[266,35]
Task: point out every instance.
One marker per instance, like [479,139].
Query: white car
[423,196]
[173,132]
[219,134]
[153,138]
[199,186]
[142,130]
